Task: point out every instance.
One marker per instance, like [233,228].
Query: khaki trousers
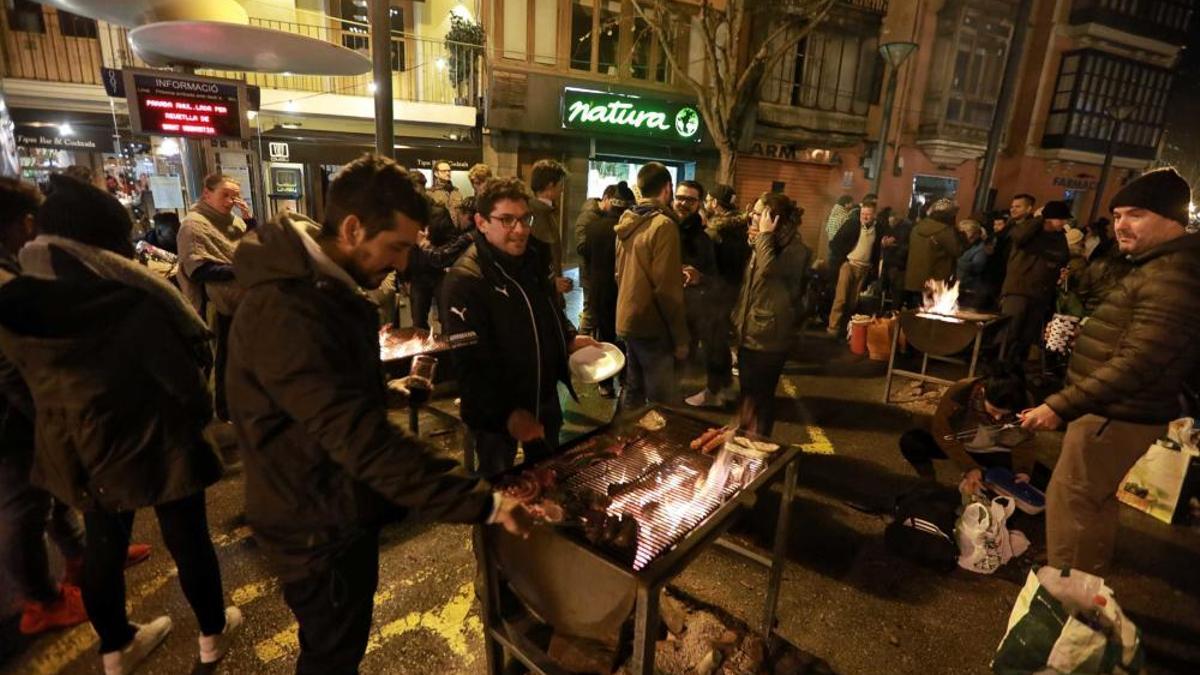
[849,285]
[1081,502]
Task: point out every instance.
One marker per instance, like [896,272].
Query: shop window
[27,17]
[831,69]
[1090,87]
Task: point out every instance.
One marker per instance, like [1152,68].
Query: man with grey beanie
[1131,361]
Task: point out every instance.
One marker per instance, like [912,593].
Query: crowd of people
[267,328]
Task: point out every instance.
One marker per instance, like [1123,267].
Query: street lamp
[894,53]
[1118,115]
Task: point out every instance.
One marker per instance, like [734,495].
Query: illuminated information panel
[169,104]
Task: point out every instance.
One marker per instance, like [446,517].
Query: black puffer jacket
[1142,343]
[306,391]
[119,424]
[729,233]
[523,334]
[598,250]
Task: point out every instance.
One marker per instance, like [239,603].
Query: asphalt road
[843,598]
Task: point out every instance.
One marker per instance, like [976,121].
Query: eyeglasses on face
[508,222]
[686,199]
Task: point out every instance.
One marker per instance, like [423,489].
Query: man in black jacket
[1039,252]
[424,281]
[502,289]
[324,466]
[699,261]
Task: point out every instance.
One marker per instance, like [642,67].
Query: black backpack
[923,527]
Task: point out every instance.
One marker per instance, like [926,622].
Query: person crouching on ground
[768,309]
[122,432]
[1131,361]
[976,426]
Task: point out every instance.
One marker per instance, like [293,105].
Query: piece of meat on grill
[524,487]
[703,439]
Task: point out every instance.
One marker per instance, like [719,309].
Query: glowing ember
[940,297]
[399,345]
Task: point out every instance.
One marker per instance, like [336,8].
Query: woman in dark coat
[768,309]
[121,432]
[598,248]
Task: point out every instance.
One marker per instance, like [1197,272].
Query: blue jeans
[649,372]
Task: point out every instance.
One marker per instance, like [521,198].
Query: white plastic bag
[1068,621]
[984,540]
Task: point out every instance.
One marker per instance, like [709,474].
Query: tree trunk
[725,171]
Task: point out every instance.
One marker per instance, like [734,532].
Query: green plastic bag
[1067,621]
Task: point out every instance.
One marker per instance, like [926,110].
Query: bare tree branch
[769,54]
[660,30]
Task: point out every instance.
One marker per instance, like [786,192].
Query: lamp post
[894,53]
[1118,115]
[381,60]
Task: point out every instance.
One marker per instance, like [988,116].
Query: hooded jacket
[933,250]
[768,307]
[521,355]
[546,229]
[1138,349]
[323,463]
[730,236]
[124,431]
[650,276]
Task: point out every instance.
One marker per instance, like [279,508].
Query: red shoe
[73,569]
[67,611]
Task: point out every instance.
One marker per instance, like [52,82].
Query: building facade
[1083,63]
[303,128]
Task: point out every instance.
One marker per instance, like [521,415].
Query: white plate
[596,364]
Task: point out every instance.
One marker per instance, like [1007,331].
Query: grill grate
[663,484]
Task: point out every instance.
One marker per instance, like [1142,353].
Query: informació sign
[630,115]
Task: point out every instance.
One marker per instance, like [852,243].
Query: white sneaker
[147,637]
[213,647]
[705,399]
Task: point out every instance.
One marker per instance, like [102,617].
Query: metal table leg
[887,386]
[489,598]
[975,354]
[645,630]
[779,553]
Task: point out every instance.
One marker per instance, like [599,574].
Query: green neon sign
[629,115]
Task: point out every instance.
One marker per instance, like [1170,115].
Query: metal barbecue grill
[940,337]
[680,505]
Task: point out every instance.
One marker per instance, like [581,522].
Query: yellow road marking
[287,641]
[221,540]
[251,592]
[818,443]
[452,622]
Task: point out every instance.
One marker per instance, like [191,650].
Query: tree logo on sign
[687,122]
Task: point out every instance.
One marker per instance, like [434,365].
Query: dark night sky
[1182,146]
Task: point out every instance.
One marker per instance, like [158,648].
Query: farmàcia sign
[629,115]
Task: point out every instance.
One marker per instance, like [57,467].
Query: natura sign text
[604,112]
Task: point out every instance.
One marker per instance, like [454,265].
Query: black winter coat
[1036,259]
[119,425]
[523,334]
[1142,344]
[598,249]
[306,389]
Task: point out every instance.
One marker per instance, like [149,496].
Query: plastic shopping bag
[984,540]
[1067,621]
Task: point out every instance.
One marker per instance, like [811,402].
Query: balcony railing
[1166,20]
[878,6]
[423,69]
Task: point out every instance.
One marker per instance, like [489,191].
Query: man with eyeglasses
[699,260]
[443,192]
[499,289]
